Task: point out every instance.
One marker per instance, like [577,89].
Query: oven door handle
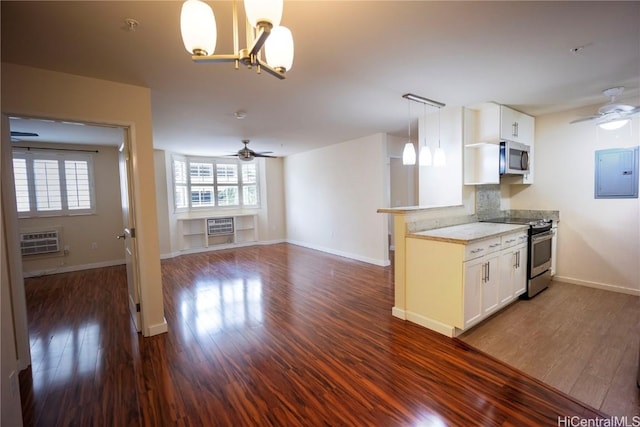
[544,236]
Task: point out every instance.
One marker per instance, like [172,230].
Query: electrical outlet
[94,245]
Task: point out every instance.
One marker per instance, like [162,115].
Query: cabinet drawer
[481,248]
[513,239]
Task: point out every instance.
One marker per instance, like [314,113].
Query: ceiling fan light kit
[613,125]
[246,154]
[612,115]
[199,35]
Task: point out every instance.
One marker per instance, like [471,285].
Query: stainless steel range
[539,252]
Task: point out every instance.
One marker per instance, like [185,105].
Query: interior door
[129,236]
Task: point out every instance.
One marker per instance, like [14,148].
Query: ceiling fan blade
[16,133]
[264,155]
[633,112]
[584,119]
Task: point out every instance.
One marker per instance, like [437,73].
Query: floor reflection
[213,305]
[65,353]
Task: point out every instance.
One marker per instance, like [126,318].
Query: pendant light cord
[409,120]
[438,127]
[424,123]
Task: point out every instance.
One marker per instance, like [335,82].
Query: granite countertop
[467,233]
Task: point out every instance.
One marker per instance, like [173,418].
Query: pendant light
[439,158]
[425,153]
[409,152]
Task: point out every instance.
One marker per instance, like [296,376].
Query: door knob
[122,236]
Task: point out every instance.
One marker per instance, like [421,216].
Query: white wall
[271,219]
[332,195]
[599,240]
[442,186]
[35,92]
[164,200]
[79,232]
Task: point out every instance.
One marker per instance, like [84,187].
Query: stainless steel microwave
[514,158]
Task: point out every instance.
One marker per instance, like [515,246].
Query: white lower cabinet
[481,288]
[513,273]
[473,271]
[495,279]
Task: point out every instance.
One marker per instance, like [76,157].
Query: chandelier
[263,30]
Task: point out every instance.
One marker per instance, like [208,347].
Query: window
[53,184]
[213,183]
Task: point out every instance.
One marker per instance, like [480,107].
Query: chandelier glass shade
[259,11]
[198,28]
[278,49]
[199,35]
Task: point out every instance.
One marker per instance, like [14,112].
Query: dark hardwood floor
[268,335]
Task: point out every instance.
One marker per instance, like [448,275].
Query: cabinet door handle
[488,271]
[518,259]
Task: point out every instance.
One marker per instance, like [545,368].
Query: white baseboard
[70,268]
[434,325]
[170,255]
[379,262]
[399,313]
[219,248]
[159,328]
[597,285]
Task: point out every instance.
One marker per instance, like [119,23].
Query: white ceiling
[353,61]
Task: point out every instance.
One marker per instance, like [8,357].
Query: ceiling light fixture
[409,152]
[613,124]
[199,35]
[130,24]
[439,158]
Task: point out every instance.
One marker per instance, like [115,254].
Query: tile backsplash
[488,201]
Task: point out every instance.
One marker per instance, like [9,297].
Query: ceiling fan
[246,154]
[16,135]
[612,115]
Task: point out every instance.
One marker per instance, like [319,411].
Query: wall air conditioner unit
[40,242]
[219,226]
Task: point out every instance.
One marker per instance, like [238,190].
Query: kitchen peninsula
[452,271]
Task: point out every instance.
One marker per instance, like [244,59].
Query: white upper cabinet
[516,126]
[497,123]
[485,127]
